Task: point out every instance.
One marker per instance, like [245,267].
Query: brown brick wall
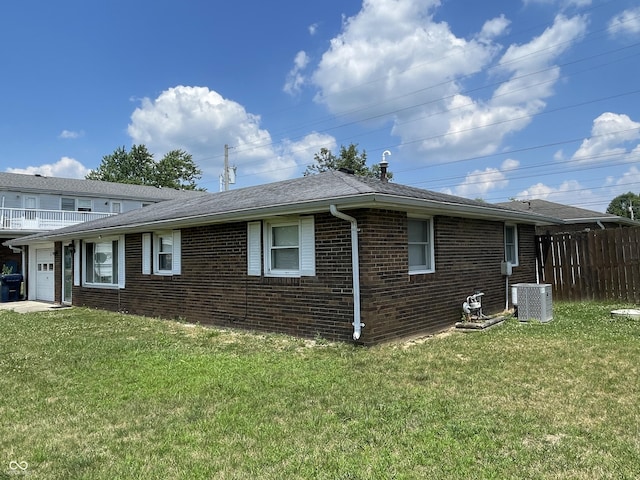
[215,289]
[396,304]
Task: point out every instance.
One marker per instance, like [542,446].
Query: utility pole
[226,167]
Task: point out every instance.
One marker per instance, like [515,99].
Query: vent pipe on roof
[355,269]
[383,166]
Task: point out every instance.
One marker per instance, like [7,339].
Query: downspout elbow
[355,267]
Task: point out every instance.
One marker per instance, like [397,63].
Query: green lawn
[89,394]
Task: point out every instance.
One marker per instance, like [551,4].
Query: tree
[175,170]
[622,203]
[349,158]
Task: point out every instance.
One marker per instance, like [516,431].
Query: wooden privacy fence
[595,265]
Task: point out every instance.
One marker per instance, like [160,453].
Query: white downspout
[601,225]
[355,267]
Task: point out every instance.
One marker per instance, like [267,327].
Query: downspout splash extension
[355,268]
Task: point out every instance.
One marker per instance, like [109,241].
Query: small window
[285,249]
[84,205]
[421,254]
[511,244]
[164,252]
[165,256]
[289,248]
[116,207]
[101,262]
[68,204]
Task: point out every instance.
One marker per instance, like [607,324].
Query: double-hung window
[103,262]
[288,247]
[284,248]
[421,251]
[161,253]
[511,244]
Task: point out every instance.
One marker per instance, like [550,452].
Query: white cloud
[569,192]
[509,164]
[493,28]
[609,135]
[572,192]
[414,67]
[630,180]
[70,134]
[65,167]
[479,182]
[295,79]
[560,3]
[313,28]
[625,23]
[200,121]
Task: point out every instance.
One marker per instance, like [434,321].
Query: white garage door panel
[45,274]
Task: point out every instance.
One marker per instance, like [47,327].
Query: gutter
[355,267]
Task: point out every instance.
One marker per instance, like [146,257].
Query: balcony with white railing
[36,220]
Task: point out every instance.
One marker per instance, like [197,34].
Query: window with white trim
[161,253]
[511,244]
[84,205]
[68,204]
[288,247]
[283,243]
[421,252]
[103,262]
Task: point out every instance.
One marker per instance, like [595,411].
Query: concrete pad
[27,306]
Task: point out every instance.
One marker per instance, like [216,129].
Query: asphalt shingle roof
[80,187]
[558,210]
[288,196]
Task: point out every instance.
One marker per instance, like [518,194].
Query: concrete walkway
[26,306]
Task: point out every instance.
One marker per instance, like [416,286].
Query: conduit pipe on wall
[355,268]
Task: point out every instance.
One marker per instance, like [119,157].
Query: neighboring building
[573,219]
[331,254]
[34,203]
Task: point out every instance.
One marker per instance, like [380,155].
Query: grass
[86,394]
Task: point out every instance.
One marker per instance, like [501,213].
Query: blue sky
[492,99]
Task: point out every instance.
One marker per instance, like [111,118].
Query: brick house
[281,257]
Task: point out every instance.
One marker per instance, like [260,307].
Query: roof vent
[383,166]
[346,170]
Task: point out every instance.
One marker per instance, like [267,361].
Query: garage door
[45,274]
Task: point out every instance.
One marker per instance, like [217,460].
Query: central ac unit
[533,301]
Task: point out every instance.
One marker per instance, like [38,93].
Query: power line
[391,112]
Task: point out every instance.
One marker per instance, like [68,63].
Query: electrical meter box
[506,268]
[534,301]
